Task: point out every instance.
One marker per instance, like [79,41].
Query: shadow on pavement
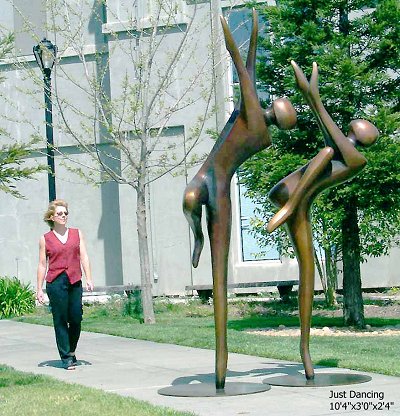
[278,369]
[59,364]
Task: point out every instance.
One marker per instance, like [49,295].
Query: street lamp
[45,54]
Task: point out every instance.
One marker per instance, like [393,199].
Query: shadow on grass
[328,362]
[254,322]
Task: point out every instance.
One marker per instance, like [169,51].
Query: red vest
[63,257]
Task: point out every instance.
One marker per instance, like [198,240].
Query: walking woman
[62,256]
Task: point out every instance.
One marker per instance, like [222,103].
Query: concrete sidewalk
[139,368]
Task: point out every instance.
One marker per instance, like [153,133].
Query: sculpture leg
[219,228]
[300,232]
[313,171]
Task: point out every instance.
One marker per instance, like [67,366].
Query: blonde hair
[51,211]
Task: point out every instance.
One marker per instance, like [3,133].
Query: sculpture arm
[245,73]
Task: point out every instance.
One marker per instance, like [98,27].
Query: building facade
[103,41]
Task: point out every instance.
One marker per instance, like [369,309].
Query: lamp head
[45,54]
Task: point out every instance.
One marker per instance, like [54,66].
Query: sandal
[69,364]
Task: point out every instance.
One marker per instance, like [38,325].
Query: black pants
[66,307]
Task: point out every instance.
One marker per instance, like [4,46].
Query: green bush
[16,298]
[133,305]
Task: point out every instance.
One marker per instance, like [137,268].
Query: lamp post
[45,54]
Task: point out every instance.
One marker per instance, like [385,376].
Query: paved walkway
[139,368]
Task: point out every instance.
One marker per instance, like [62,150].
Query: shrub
[16,298]
[133,305]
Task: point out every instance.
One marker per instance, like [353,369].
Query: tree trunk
[141,218]
[318,263]
[353,306]
[331,277]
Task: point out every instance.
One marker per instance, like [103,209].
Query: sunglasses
[60,214]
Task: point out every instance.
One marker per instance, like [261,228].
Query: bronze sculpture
[338,162]
[245,133]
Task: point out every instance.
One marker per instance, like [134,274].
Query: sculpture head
[362,132]
[281,113]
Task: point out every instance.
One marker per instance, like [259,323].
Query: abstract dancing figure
[245,133]
[338,162]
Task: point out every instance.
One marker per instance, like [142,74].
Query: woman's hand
[40,296]
[89,285]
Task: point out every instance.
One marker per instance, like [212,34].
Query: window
[251,250]
[29,25]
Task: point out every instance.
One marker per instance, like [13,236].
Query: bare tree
[13,154]
[165,73]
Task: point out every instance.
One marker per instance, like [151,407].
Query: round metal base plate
[320,380]
[209,390]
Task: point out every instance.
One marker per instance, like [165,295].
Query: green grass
[193,325]
[23,394]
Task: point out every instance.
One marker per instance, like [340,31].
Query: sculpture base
[209,390]
[320,380]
